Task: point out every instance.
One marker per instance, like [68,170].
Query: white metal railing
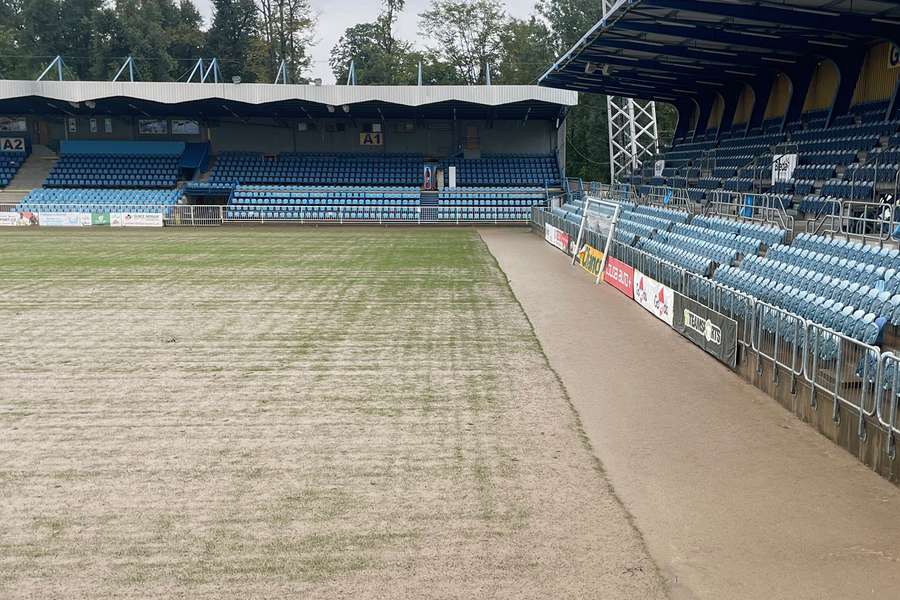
[212,215]
[888,399]
[843,368]
[866,220]
[831,362]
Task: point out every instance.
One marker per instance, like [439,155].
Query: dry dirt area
[262,413]
[735,497]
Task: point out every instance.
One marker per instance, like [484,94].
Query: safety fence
[75,215]
[541,217]
[844,369]
[859,378]
[887,401]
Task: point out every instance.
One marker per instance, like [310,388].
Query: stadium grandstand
[775,202]
[224,409]
[283,153]
[787,105]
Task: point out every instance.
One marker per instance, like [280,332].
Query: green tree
[286,30]
[466,35]
[587,133]
[569,19]
[231,37]
[162,36]
[379,57]
[527,49]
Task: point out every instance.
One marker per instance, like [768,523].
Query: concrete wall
[433,138]
[436,139]
[794,394]
[123,129]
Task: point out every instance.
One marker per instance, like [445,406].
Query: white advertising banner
[557,237]
[135,219]
[185,127]
[783,166]
[64,219]
[153,126]
[9,219]
[656,298]
[451,176]
[13,124]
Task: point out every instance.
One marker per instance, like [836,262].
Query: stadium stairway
[31,174]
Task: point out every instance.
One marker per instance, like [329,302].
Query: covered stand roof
[667,50]
[282,101]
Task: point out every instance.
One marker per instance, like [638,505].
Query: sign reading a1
[371,139]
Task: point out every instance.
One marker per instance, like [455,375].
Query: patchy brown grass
[289,413]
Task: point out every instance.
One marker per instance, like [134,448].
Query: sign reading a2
[12,145]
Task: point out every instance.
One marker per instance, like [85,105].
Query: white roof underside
[263,93]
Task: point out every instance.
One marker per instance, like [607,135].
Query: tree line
[462,40]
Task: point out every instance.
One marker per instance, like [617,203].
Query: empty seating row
[768,234]
[318,169]
[113,171]
[851,321]
[303,196]
[322,213]
[78,200]
[833,266]
[715,252]
[496,213]
[872,298]
[842,248]
[675,216]
[683,258]
[9,166]
[519,170]
[741,243]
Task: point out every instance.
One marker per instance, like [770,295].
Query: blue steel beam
[763,43]
[817,20]
[706,103]
[714,59]
[731,95]
[685,108]
[663,68]
[849,65]
[801,76]
[762,88]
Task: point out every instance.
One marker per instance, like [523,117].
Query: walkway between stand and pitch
[735,497]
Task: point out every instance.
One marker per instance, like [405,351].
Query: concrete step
[205,175]
[30,175]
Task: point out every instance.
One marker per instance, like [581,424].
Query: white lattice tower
[633,136]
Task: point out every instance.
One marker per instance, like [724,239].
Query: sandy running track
[735,497]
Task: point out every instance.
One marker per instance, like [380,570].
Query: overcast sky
[336,15]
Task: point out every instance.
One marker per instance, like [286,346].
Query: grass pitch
[258,413]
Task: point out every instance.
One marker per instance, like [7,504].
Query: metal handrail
[847,218]
[889,419]
[863,361]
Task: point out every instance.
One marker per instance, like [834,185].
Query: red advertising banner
[620,276]
[557,237]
